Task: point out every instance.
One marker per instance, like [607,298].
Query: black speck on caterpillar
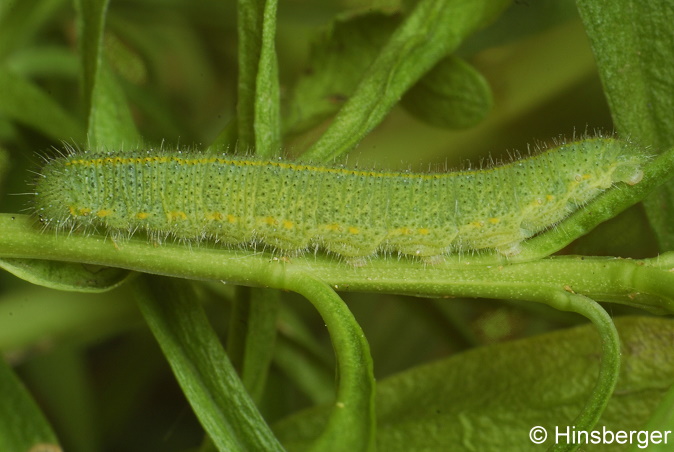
[293,207]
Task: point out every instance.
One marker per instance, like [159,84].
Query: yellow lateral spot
[353,230]
[477,224]
[72,210]
[494,220]
[587,176]
[424,231]
[232,219]
[288,224]
[214,216]
[142,215]
[103,213]
[332,227]
[84,211]
[403,231]
[176,215]
[550,197]
[271,221]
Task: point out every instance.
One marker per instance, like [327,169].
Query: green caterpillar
[294,207]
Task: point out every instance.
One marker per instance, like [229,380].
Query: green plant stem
[351,426]
[609,369]
[632,282]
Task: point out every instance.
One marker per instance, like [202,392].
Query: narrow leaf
[111,125]
[632,43]
[26,103]
[22,424]
[90,24]
[258,102]
[202,368]
[433,30]
[252,335]
[338,60]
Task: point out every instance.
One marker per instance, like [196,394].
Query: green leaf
[632,43]
[90,24]
[433,30]
[252,335]
[258,107]
[67,276]
[202,368]
[26,103]
[45,61]
[336,64]
[452,95]
[22,424]
[111,125]
[490,397]
[267,91]
[662,420]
